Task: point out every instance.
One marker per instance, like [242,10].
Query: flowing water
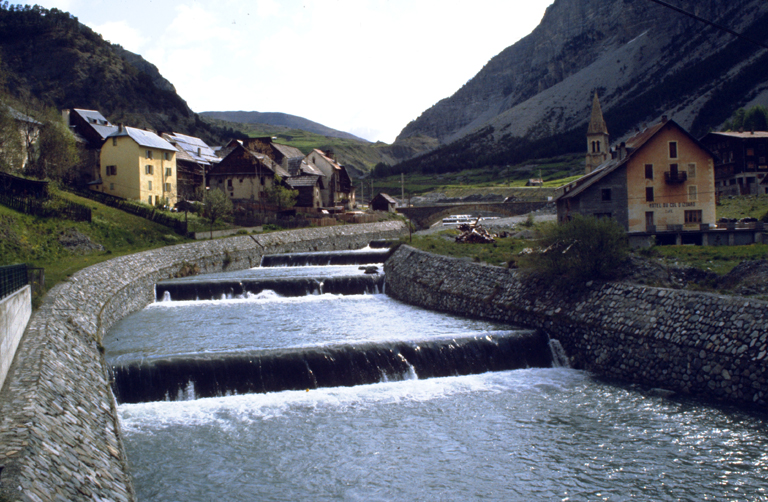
[538,433]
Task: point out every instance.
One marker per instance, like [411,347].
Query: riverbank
[59,435]
[702,344]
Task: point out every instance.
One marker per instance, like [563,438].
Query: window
[167,155]
[147,169]
[649,219]
[691,171]
[693,193]
[168,171]
[150,200]
[673,149]
[111,170]
[693,216]
[229,184]
[602,215]
[649,171]
[167,187]
[750,152]
[649,194]
[606,194]
[149,154]
[111,186]
[149,185]
[114,141]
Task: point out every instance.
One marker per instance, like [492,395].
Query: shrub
[579,250]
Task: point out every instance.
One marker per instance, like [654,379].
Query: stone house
[287,157]
[193,160]
[29,130]
[338,191]
[245,175]
[384,202]
[138,165]
[660,182]
[741,161]
[91,130]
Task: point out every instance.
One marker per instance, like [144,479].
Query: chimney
[120,127]
[622,151]
[65,115]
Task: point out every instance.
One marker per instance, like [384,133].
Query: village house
[91,130]
[193,161]
[741,162]
[309,182]
[29,130]
[245,175]
[384,202]
[138,165]
[287,157]
[339,193]
[659,183]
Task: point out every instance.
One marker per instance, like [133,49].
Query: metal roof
[144,138]
[97,121]
[194,149]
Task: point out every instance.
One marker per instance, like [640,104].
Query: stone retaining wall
[702,344]
[59,431]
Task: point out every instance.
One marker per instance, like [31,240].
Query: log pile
[474,233]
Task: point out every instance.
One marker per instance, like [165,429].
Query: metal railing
[12,279]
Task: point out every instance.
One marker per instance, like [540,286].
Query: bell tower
[597,138]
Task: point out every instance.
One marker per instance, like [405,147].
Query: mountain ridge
[281,120]
[643,59]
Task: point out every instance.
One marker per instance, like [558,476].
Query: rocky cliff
[643,58]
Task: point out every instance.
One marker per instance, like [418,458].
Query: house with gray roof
[139,165]
[193,161]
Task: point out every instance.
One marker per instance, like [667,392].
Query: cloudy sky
[363,66]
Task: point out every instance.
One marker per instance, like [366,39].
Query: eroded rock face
[78,242]
[629,51]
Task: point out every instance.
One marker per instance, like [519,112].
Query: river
[536,433]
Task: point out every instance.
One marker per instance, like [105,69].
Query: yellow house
[138,165]
[660,182]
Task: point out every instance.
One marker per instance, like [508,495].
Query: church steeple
[597,137]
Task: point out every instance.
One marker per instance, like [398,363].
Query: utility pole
[402,189]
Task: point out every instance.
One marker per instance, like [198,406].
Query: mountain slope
[281,120]
[50,59]
[644,59]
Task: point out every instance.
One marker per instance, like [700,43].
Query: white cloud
[119,32]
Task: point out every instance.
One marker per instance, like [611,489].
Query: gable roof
[633,145]
[144,138]
[386,197]
[192,149]
[96,121]
[304,181]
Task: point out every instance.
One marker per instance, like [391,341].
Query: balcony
[675,177]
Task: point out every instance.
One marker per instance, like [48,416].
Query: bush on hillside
[580,250]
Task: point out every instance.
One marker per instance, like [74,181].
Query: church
[658,184]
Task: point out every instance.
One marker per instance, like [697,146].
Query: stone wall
[59,431]
[15,311]
[702,344]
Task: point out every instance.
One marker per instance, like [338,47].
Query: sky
[367,67]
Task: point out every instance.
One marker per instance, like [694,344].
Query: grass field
[35,241]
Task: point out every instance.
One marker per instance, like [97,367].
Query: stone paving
[708,345]
[59,429]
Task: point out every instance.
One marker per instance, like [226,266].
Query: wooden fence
[47,208]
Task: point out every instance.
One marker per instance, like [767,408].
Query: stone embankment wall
[702,344]
[59,431]
[15,311]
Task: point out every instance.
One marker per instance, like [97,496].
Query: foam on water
[253,408]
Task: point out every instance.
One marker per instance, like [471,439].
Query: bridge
[424,217]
